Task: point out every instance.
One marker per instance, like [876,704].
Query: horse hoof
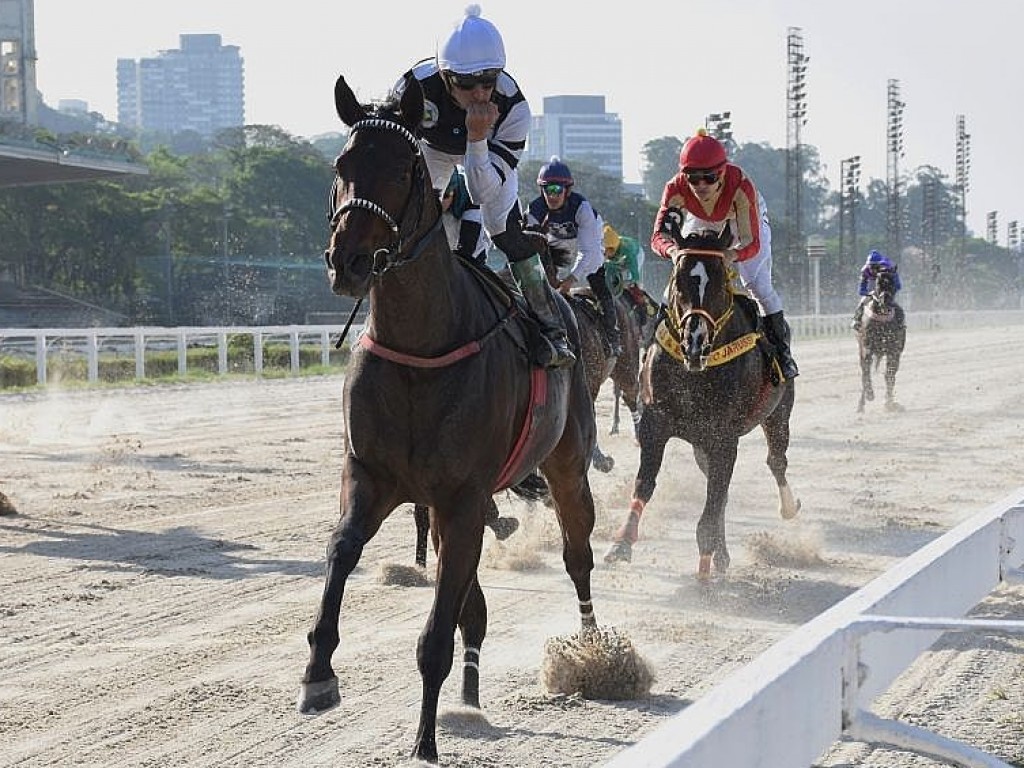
[504,527]
[603,463]
[704,569]
[619,552]
[318,697]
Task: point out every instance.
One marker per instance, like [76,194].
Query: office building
[197,87]
[577,129]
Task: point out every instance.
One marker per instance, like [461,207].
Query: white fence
[90,342]
[793,702]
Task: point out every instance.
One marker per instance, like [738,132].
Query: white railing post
[140,354]
[325,348]
[257,352]
[293,343]
[92,357]
[181,338]
[41,358]
[222,353]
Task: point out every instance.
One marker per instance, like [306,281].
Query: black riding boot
[529,275]
[609,317]
[777,331]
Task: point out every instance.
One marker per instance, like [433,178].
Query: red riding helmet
[702,153]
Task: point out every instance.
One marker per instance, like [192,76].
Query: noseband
[392,255]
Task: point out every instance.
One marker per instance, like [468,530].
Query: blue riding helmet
[555,172]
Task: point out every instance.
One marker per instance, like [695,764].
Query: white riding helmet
[473,46]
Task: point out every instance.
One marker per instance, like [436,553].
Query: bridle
[398,252]
[677,323]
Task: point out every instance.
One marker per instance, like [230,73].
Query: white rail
[794,701]
[91,341]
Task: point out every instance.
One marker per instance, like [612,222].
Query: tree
[661,163]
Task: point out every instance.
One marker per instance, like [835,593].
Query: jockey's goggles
[488,78]
[708,177]
[553,189]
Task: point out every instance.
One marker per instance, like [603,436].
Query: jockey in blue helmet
[876,263]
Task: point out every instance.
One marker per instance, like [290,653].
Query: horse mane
[552,252]
[708,240]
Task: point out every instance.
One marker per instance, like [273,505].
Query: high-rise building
[19,100]
[197,87]
[577,129]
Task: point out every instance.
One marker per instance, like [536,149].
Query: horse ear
[411,104]
[345,104]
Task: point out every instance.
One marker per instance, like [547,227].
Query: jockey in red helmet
[709,192]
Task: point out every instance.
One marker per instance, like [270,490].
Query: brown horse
[883,333]
[623,370]
[442,405]
[710,379]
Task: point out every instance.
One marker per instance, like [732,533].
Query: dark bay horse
[709,379]
[441,407]
[623,370]
[883,333]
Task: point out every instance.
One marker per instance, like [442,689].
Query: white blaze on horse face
[701,273]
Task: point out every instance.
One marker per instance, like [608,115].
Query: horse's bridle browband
[359,203]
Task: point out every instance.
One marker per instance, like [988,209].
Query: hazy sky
[662,66]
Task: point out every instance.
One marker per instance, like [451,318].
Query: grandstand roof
[23,166]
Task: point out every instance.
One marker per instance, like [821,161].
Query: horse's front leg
[867,392]
[653,437]
[892,364]
[363,509]
[721,459]
[459,529]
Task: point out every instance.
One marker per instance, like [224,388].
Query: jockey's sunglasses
[708,177]
[488,79]
[553,189]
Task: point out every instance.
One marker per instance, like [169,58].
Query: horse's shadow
[178,551]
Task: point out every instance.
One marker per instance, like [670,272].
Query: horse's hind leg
[601,461]
[574,507]
[776,432]
[362,512]
[473,626]
[421,514]
[616,394]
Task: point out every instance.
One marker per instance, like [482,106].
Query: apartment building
[198,87]
[577,129]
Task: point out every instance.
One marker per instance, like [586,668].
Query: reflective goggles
[488,78]
[552,189]
[708,177]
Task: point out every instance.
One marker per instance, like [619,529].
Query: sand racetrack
[166,560]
